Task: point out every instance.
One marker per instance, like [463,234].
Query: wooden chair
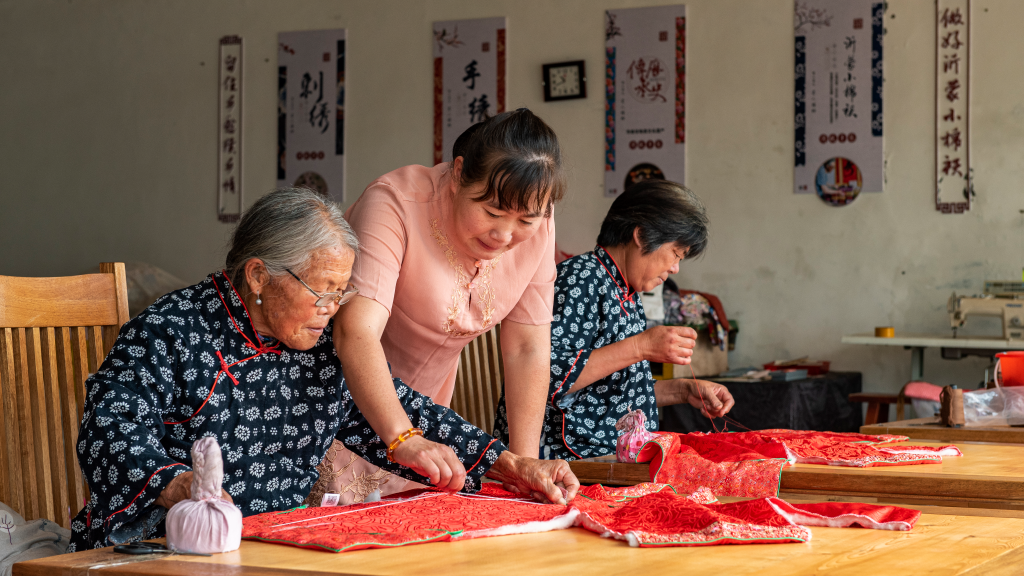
[54,332]
[478,381]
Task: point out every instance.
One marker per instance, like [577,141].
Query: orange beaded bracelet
[402,438]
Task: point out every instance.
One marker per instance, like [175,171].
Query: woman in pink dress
[447,253]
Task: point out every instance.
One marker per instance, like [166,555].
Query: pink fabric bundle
[922,391]
[633,435]
[206,523]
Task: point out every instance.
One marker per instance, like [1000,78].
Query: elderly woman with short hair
[600,344]
[247,357]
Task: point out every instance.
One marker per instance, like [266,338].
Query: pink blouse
[436,299]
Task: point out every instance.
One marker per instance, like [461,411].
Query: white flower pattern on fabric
[582,424]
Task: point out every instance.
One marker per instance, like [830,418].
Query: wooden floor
[988,475]
[939,545]
[931,429]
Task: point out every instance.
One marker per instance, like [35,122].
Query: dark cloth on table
[594,307]
[275,411]
[820,403]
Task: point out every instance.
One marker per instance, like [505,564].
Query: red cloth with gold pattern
[749,464]
[643,515]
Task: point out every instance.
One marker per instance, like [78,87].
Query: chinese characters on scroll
[838,98]
[469,78]
[645,96]
[953,190]
[311,111]
[229,130]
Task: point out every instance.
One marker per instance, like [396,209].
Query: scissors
[136,548]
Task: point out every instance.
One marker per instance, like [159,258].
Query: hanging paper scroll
[311,111]
[469,78]
[229,130]
[953,189]
[838,99]
[645,96]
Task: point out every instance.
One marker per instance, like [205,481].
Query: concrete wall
[107,150]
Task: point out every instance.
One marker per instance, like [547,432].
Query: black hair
[664,211]
[517,154]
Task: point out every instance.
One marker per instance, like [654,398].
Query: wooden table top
[988,475]
[932,429]
[938,544]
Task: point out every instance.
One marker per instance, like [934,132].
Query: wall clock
[564,81]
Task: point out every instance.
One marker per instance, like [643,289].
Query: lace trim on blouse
[482,283]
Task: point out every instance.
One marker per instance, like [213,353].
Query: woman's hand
[180,488]
[435,461]
[546,480]
[671,344]
[714,400]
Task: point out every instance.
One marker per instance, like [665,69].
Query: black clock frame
[547,81]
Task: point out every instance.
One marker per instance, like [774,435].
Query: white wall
[107,150]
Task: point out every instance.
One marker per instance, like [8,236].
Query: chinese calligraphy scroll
[229,130]
[953,190]
[311,111]
[645,96]
[469,78]
[838,99]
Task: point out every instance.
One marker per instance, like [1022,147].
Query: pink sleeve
[534,306]
[377,220]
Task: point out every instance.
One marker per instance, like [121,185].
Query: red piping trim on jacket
[262,347]
[111,517]
[482,452]
[224,366]
[564,380]
[629,297]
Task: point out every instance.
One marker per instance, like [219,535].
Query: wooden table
[987,476]
[932,429]
[939,544]
[952,348]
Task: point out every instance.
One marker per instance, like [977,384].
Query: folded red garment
[749,464]
[692,461]
[645,515]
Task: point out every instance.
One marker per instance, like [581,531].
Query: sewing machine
[1007,304]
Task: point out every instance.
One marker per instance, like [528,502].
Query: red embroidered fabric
[749,464]
[412,517]
[689,462]
[643,515]
[662,518]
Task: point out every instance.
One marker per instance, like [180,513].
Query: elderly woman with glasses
[247,357]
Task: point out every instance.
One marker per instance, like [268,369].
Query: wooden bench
[878,406]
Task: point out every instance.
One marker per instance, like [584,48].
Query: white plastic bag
[1000,406]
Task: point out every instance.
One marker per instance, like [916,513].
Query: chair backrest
[54,332]
[479,379]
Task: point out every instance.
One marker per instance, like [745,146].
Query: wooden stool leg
[872,414]
[883,413]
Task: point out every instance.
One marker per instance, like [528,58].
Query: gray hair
[284,229]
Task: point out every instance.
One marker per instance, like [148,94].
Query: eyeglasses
[339,298]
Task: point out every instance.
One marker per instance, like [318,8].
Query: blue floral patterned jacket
[594,307]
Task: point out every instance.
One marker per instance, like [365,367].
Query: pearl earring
[258,301]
